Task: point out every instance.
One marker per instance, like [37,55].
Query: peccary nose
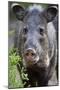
[30,53]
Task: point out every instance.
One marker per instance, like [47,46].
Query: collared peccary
[36,42]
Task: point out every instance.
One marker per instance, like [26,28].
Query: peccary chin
[37,76]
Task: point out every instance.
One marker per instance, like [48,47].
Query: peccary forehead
[35,16]
[36,7]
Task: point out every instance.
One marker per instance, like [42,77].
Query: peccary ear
[51,12]
[18,10]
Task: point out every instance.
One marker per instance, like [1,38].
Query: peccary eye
[25,30]
[41,31]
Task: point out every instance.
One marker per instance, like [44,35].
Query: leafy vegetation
[17,75]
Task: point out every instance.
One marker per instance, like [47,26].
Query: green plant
[17,75]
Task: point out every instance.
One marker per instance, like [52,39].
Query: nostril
[32,54]
[27,54]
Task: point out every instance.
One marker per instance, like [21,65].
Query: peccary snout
[30,56]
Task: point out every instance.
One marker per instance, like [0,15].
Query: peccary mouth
[31,60]
[36,61]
